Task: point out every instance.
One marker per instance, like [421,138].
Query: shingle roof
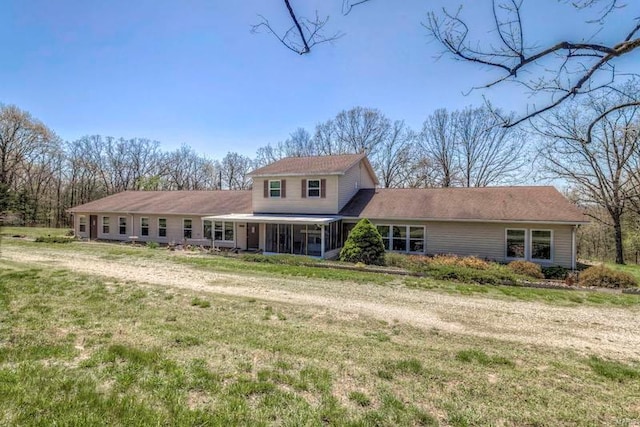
[172,202]
[536,204]
[315,165]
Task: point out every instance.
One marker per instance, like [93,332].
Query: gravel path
[607,331]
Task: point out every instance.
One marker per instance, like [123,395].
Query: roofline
[139,213]
[517,221]
[261,175]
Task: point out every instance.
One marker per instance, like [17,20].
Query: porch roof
[276,219]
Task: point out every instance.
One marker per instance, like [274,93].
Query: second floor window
[274,188]
[313,188]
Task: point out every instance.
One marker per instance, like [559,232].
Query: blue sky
[191,72]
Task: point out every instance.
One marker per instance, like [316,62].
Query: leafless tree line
[41,176]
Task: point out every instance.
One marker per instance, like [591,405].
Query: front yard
[110,334]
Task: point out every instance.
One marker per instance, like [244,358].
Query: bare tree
[604,171]
[21,137]
[488,153]
[554,73]
[439,139]
[234,169]
[303,34]
[394,156]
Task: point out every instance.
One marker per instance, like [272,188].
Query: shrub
[555,272]
[601,276]
[364,244]
[152,245]
[54,239]
[526,268]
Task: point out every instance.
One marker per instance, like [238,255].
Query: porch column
[322,241]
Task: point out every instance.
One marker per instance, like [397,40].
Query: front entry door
[93,227]
[253,236]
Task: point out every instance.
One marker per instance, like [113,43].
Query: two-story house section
[296,203]
[307,206]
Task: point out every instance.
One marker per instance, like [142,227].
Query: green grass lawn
[33,232]
[78,350]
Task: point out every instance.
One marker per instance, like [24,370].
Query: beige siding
[354,179]
[175,231]
[294,203]
[76,225]
[488,240]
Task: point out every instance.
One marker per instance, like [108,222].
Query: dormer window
[313,188]
[274,188]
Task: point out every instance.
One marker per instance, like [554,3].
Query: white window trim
[551,248]
[279,181]
[148,226]
[102,224]
[80,224]
[309,196]
[184,228]
[213,231]
[407,238]
[165,228]
[506,244]
[125,225]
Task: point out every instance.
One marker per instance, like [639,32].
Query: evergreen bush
[364,245]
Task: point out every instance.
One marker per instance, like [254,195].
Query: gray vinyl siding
[354,179]
[487,240]
[294,203]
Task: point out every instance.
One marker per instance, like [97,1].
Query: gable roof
[313,165]
[518,204]
[216,202]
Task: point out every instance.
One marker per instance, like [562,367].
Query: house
[307,205]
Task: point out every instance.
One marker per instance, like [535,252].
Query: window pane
[162,227]
[313,188]
[399,231]
[162,222]
[187,228]
[144,222]
[400,244]
[206,229]
[274,188]
[122,225]
[541,244]
[515,243]
[228,231]
[386,243]
[383,230]
[416,245]
[416,232]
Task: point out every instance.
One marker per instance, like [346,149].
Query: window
[384,232]
[516,243]
[206,229]
[313,188]
[416,239]
[228,231]
[399,242]
[122,224]
[144,226]
[82,224]
[541,245]
[274,188]
[223,231]
[162,227]
[105,225]
[402,238]
[187,227]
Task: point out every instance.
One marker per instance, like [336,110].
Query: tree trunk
[619,249]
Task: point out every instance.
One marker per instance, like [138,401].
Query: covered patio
[311,235]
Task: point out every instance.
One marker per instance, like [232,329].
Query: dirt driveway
[607,331]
